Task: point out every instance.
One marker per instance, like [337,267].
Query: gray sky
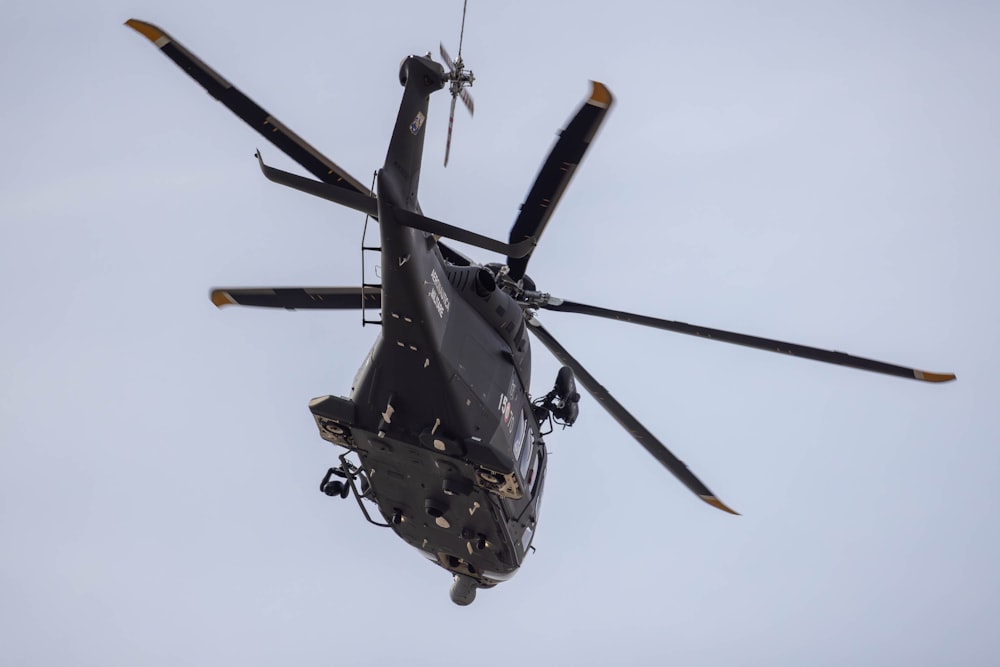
[823,173]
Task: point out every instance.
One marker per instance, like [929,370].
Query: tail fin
[400,180]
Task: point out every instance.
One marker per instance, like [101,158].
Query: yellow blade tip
[221,298]
[718,504]
[600,95]
[147,30]
[934,377]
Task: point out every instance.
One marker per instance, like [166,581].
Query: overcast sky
[823,172]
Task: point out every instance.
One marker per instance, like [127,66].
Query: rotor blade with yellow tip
[625,418]
[253,115]
[557,171]
[295,298]
[793,349]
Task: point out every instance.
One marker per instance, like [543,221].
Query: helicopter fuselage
[439,429]
[439,414]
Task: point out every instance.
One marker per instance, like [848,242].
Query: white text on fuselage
[438,296]
[505,409]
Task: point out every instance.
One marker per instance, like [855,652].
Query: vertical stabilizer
[420,76]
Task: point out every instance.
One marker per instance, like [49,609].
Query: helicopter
[440,432]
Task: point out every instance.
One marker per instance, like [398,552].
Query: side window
[519,438]
[532,473]
[527,454]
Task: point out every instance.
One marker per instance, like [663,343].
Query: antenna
[459,79]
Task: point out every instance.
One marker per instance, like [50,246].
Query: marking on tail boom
[417,123]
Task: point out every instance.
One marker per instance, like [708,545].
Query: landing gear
[463,590]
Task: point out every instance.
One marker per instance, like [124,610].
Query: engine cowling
[478,286]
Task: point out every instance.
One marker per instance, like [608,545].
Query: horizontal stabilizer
[294,298]
[365,203]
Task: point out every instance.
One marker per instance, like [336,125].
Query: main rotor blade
[454,256]
[438,228]
[293,298]
[625,418]
[253,115]
[557,171]
[830,357]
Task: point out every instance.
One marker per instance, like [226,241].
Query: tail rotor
[459,78]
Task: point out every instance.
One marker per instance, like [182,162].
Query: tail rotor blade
[447,59]
[451,124]
[459,77]
[461,34]
[467,100]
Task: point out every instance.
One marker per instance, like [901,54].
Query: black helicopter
[440,430]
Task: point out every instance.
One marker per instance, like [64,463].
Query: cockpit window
[529,473]
[526,538]
[526,454]
[519,437]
